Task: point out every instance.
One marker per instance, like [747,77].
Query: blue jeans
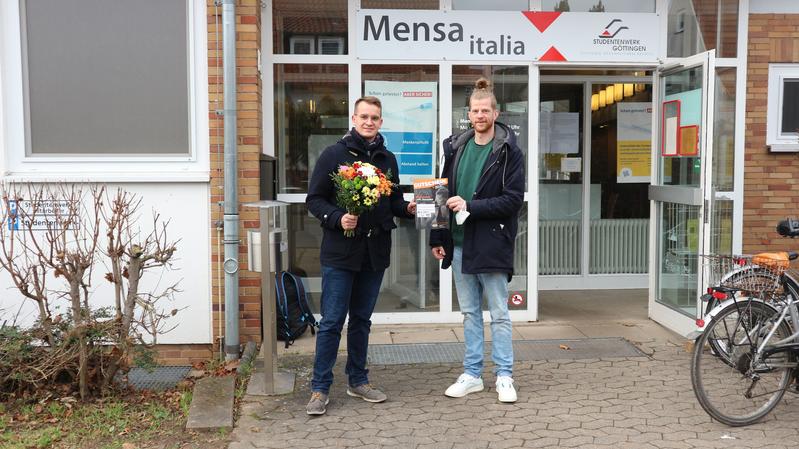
[470,289]
[343,292]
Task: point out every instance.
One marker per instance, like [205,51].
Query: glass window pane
[97,89]
[310,27]
[681,111]
[679,242]
[517,288]
[599,5]
[790,106]
[560,179]
[721,227]
[311,113]
[724,130]
[510,88]
[695,26]
[495,5]
[621,153]
[410,116]
[399,4]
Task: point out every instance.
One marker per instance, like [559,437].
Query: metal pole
[231,218]
[268,314]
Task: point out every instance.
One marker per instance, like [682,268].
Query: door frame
[700,196]
[586,280]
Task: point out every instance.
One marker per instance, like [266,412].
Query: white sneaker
[464,385]
[505,389]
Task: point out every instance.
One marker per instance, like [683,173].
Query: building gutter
[231,216]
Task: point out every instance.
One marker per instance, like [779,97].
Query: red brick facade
[248,41]
[771,190]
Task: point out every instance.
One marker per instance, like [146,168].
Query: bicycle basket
[758,273]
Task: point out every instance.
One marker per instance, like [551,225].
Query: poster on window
[409,124]
[634,142]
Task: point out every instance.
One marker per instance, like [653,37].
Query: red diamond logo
[541,20]
[552,55]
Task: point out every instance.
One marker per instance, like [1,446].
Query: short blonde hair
[483,89]
[374,101]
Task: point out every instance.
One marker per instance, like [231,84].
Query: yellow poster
[633,160]
[634,142]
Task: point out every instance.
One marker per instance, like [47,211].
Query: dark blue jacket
[373,234]
[489,234]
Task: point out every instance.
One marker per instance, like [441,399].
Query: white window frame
[775,138]
[16,166]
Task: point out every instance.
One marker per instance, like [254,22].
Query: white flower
[368,170]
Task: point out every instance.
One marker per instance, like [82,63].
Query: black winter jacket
[489,236]
[373,234]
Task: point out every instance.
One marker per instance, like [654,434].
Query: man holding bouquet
[356,246]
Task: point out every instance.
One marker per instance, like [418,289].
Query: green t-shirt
[470,167]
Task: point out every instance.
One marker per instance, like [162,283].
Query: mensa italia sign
[508,36]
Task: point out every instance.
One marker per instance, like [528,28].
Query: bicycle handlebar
[788,227]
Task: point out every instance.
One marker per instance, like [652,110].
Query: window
[782,125]
[299,24]
[119,85]
[496,5]
[598,5]
[310,114]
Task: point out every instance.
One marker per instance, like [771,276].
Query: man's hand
[456,204]
[438,252]
[349,222]
[412,208]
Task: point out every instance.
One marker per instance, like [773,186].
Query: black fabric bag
[293,313]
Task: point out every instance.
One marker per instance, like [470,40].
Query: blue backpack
[293,313]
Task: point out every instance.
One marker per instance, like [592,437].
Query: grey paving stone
[635,403]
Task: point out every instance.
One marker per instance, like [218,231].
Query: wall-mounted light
[595,102]
[640,87]
[618,92]
[602,99]
[628,90]
[610,95]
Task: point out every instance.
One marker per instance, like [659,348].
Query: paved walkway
[635,402]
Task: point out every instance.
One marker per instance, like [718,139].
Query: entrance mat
[156,379]
[585,348]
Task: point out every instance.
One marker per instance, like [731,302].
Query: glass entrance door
[594,167]
[682,151]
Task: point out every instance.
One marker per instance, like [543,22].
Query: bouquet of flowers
[359,187]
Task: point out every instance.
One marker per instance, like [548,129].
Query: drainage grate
[158,378]
[587,348]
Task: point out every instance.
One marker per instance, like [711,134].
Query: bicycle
[748,354]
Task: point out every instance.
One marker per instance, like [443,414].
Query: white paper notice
[571,164]
[426,210]
[565,132]
[670,136]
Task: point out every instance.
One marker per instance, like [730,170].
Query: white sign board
[39,215]
[409,124]
[508,36]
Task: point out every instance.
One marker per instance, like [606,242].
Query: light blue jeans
[470,289]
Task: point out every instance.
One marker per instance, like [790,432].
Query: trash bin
[274,256]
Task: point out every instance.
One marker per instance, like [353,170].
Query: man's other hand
[456,204]
[349,221]
[438,252]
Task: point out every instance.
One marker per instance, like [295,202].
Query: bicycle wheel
[732,388]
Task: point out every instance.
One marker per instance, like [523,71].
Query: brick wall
[248,41]
[770,179]
[181,355]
